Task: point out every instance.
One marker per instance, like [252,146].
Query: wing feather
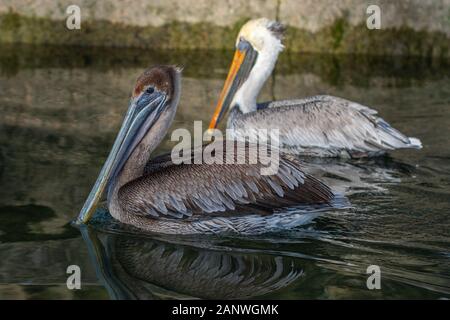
[185,190]
[323,125]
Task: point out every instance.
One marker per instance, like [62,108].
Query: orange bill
[238,59]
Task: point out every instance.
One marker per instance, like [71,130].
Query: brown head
[152,106]
[160,77]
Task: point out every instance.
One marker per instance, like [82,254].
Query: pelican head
[257,47]
[155,93]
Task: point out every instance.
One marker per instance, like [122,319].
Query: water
[61,108]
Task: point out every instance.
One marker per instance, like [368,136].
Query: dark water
[61,107]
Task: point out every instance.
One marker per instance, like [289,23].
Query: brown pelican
[316,126]
[181,198]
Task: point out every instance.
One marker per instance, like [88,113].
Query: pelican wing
[187,190]
[326,123]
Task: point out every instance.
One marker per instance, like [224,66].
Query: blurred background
[63,94]
[408,27]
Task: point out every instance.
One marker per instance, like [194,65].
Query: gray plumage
[323,126]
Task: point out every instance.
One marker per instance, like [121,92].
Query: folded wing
[194,190]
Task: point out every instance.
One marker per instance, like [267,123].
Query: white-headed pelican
[323,125]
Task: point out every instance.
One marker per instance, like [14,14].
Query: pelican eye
[149,90]
[243,45]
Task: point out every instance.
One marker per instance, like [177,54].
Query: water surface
[62,106]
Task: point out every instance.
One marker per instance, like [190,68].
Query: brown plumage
[161,77]
[161,196]
[188,190]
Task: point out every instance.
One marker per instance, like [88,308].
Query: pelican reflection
[137,267]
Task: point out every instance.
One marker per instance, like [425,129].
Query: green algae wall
[408,27]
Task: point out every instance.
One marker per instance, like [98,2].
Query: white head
[257,47]
[263,34]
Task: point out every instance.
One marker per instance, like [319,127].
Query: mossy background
[339,37]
